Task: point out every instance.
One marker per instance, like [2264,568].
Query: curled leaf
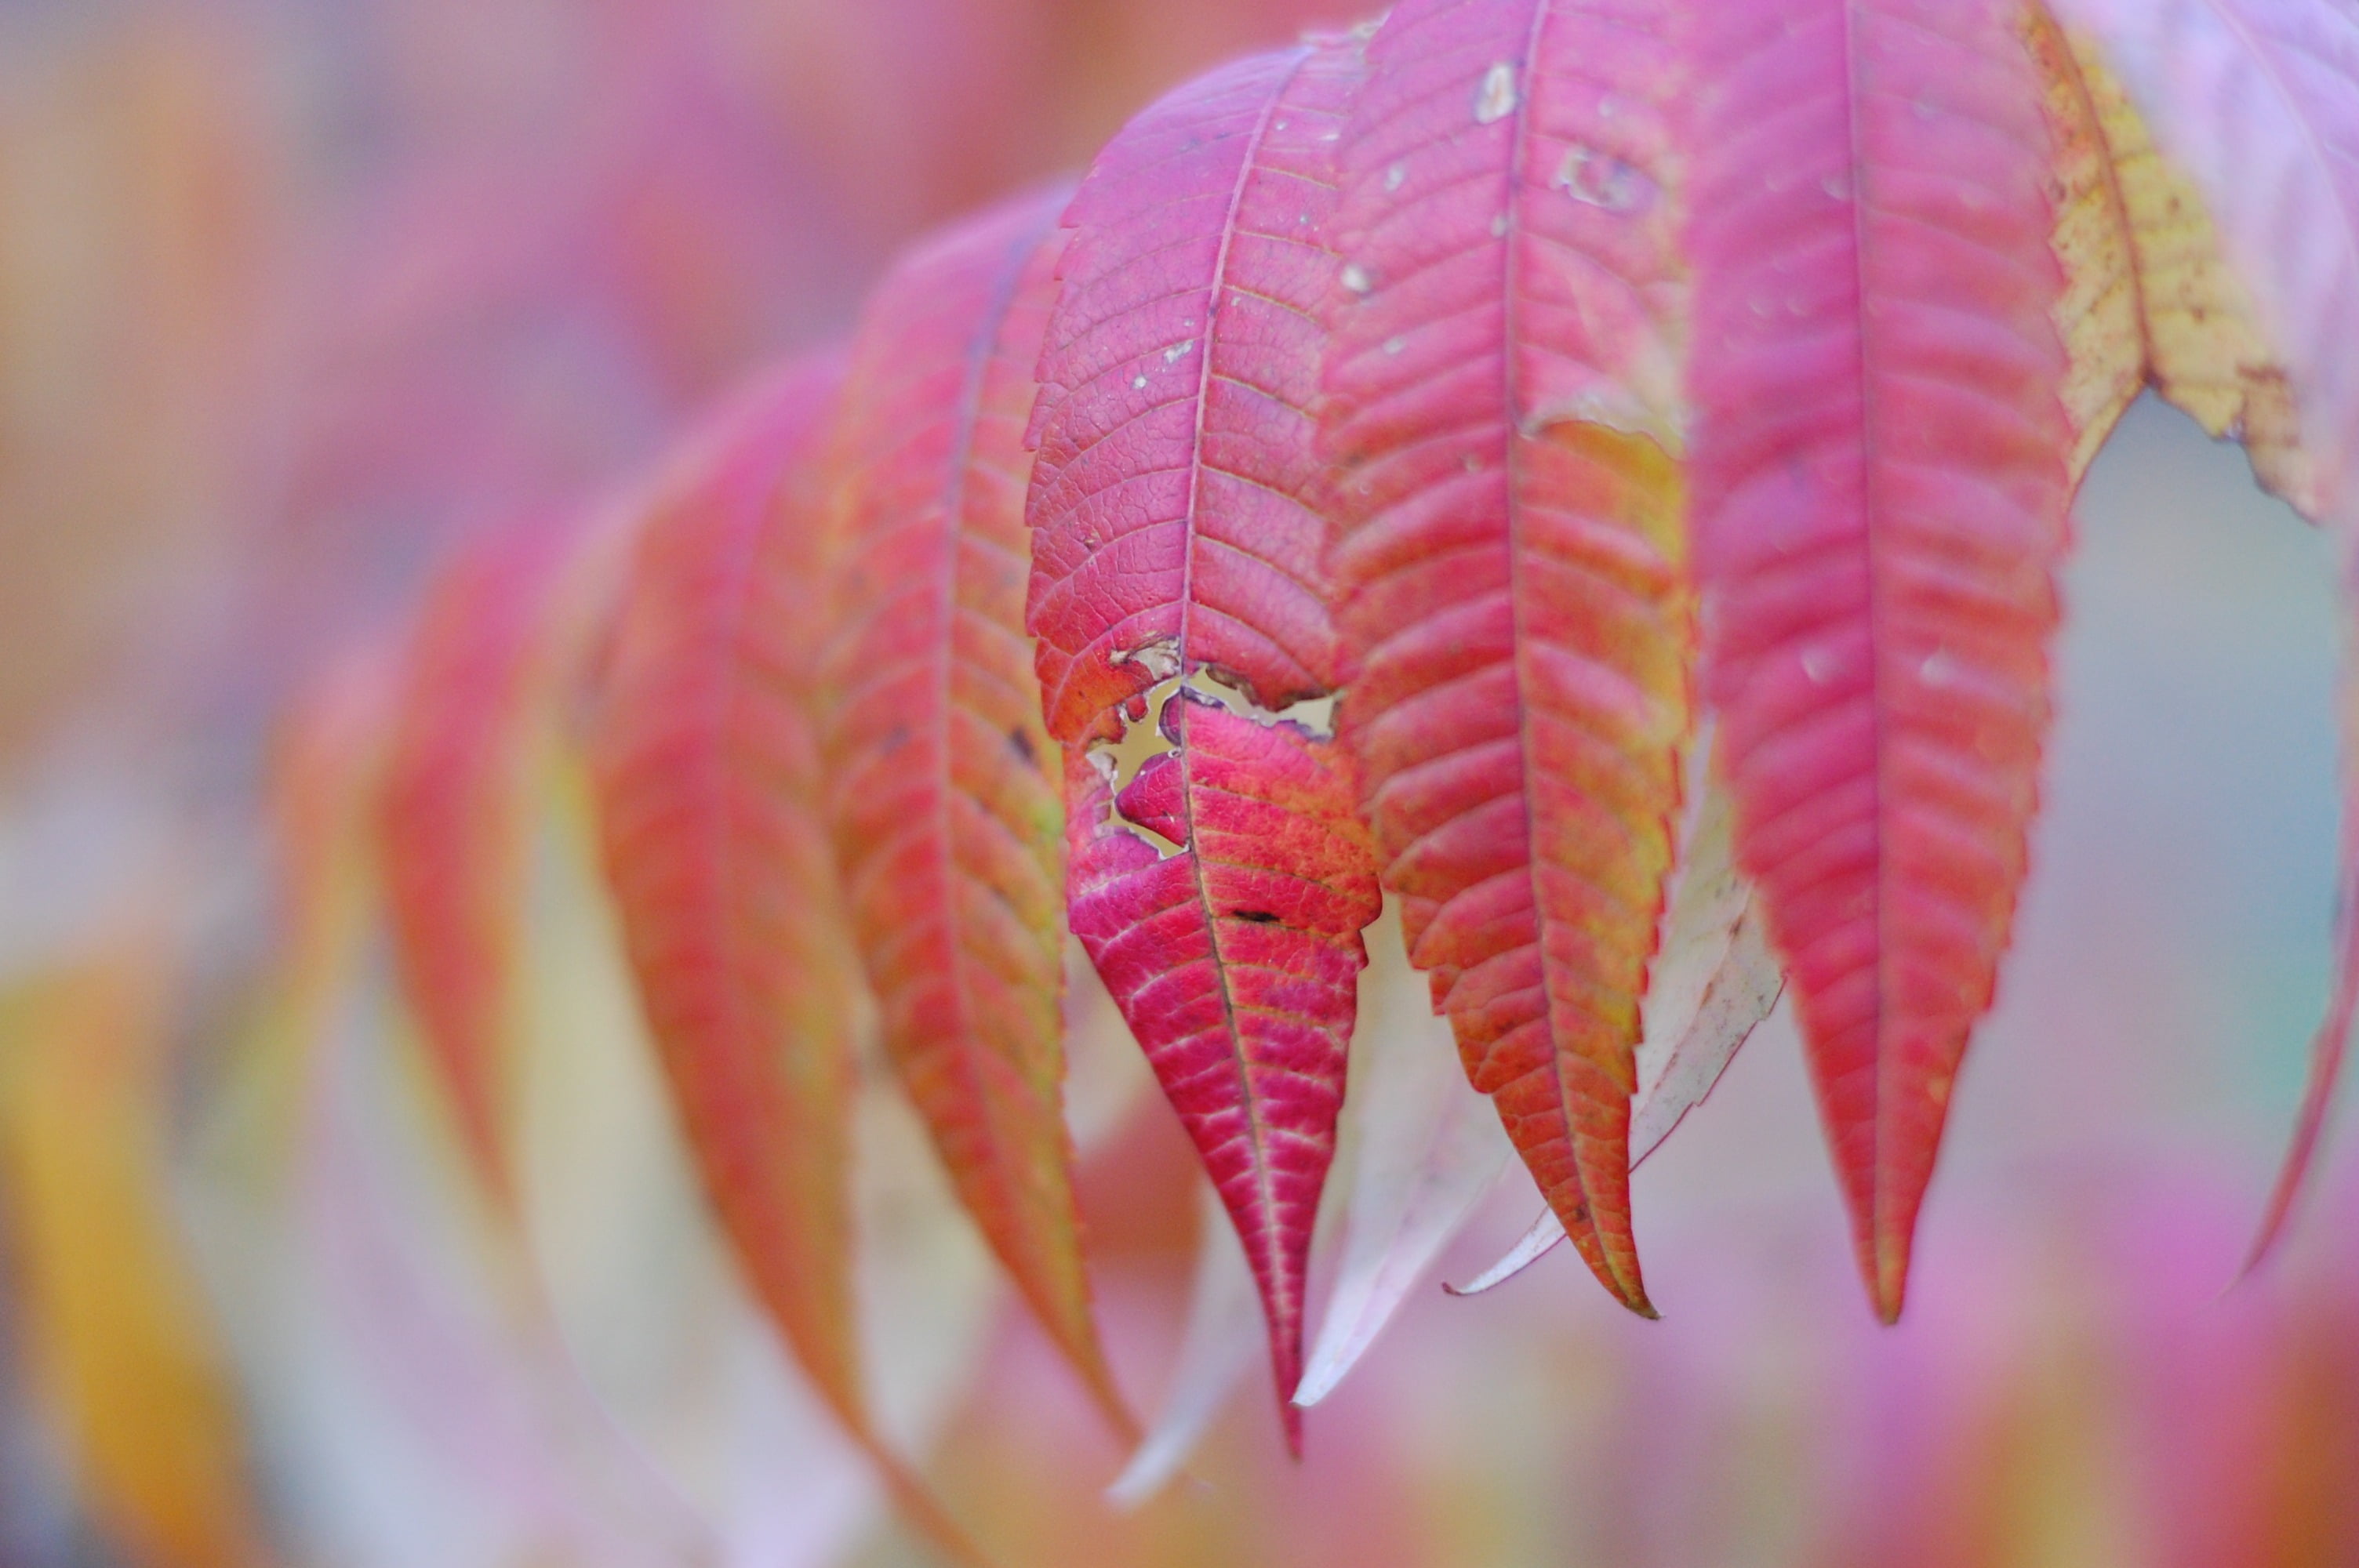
[1511,555]
[2149,296]
[1220,877]
[1880,477]
[942,790]
[2258,101]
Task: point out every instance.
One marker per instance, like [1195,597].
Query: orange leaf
[456,815]
[116,1322]
[942,786]
[708,781]
[1511,552]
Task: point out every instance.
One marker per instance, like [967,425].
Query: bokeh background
[298,296]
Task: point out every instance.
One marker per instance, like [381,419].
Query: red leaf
[456,815]
[1511,554]
[1880,477]
[943,796]
[708,776]
[1177,539]
[326,771]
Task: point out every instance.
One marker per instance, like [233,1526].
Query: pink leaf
[1880,488]
[1221,891]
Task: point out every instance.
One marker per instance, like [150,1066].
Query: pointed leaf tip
[1510,546]
[1880,475]
[707,775]
[1219,876]
[942,791]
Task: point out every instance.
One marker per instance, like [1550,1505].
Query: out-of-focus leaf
[1223,1308]
[326,767]
[1425,1151]
[2149,295]
[1503,403]
[118,1332]
[409,1293]
[942,786]
[2258,101]
[1880,476]
[709,784]
[1221,884]
[456,815]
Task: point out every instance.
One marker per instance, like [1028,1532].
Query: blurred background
[298,295]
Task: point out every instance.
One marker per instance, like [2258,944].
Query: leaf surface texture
[943,791]
[1221,884]
[1510,552]
[1880,472]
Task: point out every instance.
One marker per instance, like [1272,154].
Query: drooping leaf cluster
[1584,469]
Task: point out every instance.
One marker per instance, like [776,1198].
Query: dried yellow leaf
[2150,299]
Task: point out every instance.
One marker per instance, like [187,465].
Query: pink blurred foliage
[374,275]
[2074,1382]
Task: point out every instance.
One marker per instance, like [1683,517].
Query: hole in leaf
[1143,737]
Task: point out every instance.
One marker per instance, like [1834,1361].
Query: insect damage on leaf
[1149,735]
[1219,876]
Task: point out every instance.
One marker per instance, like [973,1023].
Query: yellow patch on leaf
[2150,299]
